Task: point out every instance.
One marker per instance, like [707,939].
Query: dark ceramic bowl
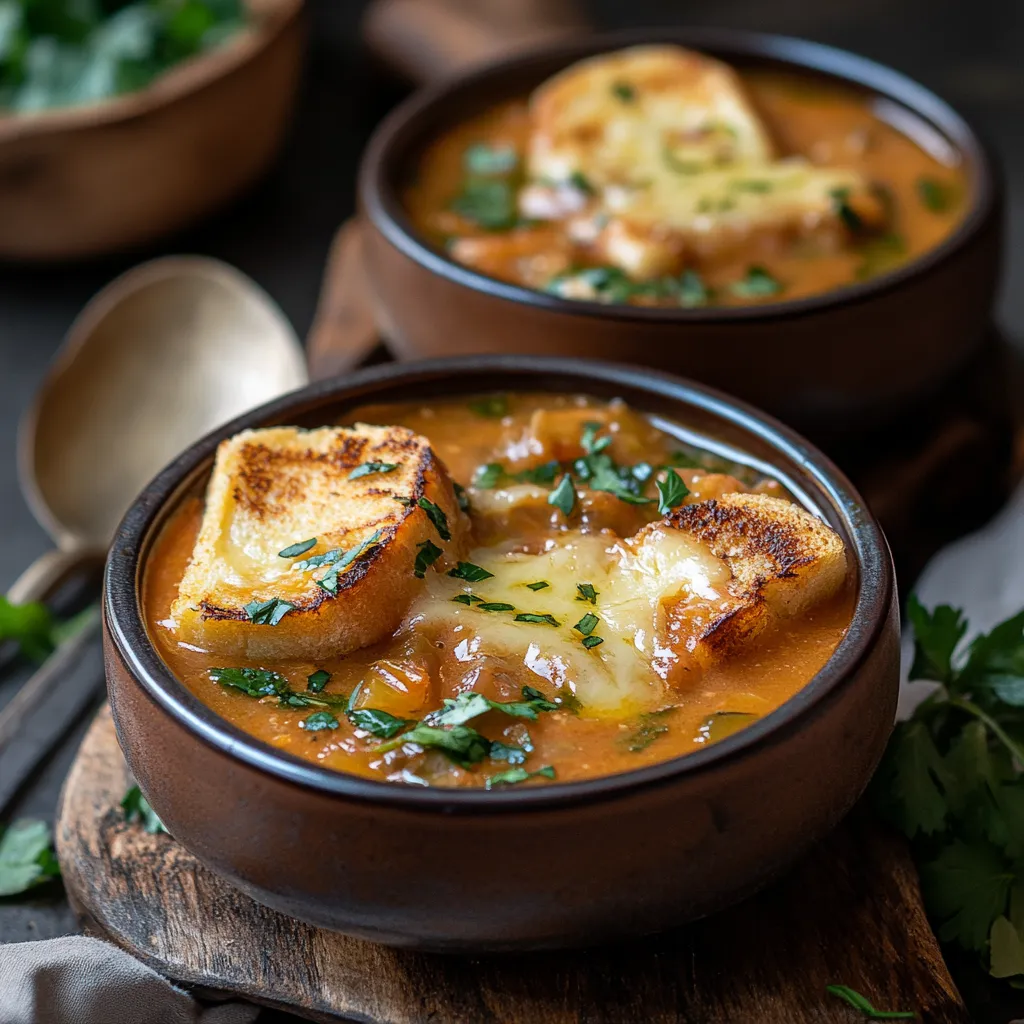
[827,364]
[563,864]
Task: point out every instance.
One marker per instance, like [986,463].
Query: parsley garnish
[484,160]
[514,775]
[496,606]
[372,467]
[437,517]
[26,857]
[539,585]
[492,407]
[329,580]
[935,195]
[136,808]
[624,91]
[563,497]
[757,284]
[581,182]
[488,476]
[692,290]
[650,727]
[671,491]
[294,550]
[586,592]
[318,680]
[462,744]
[488,202]
[471,704]
[844,211]
[261,682]
[427,554]
[319,720]
[269,612]
[470,572]
[592,641]
[461,497]
[548,620]
[381,724]
[951,781]
[590,442]
[853,998]
[587,624]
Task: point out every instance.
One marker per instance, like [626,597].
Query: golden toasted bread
[781,561]
[314,543]
[676,165]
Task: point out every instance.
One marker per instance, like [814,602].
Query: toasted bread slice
[279,488]
[781,561]
[678,167]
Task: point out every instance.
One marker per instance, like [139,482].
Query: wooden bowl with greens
[122,121]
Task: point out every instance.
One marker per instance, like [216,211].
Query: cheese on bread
[678,164]
[680,595]
[309,541]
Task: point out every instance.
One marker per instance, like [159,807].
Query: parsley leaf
[463,745]
[592,641]
[367,468]
[436,515]
[253,682]
[294,550]
[844,211]
[587,624]
[427,554]
[137,808]
[26,857]
[649,728]
[483,159]
[496,606]
[671,491]
[488,476]
[470,572]
[587,592]
[934,195]
[381,724]
[936,636]
[539,585]
[515,775]
[318,680]
[624,91]
[757,284]
[269,612]
[488,202]
[491,407]
[319,720]
[548,620]
[563,497]
[853,998]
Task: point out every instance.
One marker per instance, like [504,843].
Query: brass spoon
[163,354]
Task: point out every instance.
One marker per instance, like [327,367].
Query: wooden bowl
[564,864]
[829,364]
[81,181]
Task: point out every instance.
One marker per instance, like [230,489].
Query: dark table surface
[970,53]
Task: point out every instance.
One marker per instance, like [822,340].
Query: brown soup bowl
[829,364]
[559,865]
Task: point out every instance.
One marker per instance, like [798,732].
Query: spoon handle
[45,575]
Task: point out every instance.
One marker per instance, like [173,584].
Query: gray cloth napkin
[76,980]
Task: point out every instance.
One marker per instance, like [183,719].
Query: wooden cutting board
[850,913]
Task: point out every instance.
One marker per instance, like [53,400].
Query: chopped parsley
[624,91]
[586,592]
[934,195]
[294,550]
[26,857]
[844,211]
[592,641]
[318,680]
[427,553]
[261,682]
[671,491]
[650,726]
[461,743]
[436,515]
[319,720]
[581,183]
[381,724]
[470,572]
[472,704]
[515,775]
[485,160]
[692,290]
[548,620]
[539,585]
[367,468]
[951,781]
[137,808]
[488,476]
[269,612]
[587,624]
[488,202]
[492,407]
[467,599]
[880,254]
[590,442]
[329,580]
[563,497]
[496,606]
[853,998]
[758,284]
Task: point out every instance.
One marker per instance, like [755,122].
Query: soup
[498,591]
[658,177]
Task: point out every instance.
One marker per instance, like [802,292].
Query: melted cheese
[615,677]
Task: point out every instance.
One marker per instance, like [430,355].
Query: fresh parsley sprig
[951,781]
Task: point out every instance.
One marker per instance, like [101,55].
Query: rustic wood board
[850,913]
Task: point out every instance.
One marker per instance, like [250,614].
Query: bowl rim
[383,207]
[127,631]
[188,76]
